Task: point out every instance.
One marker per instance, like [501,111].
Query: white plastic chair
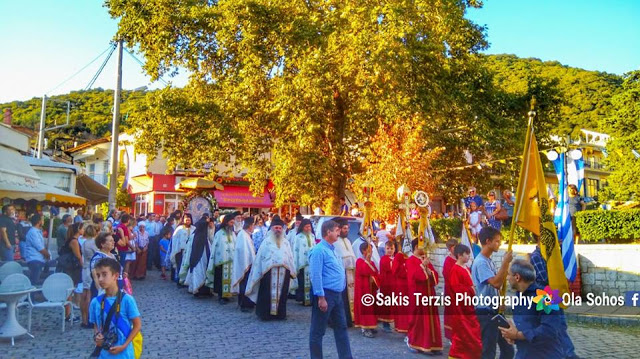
[10,268]
[15,282]
[56,289]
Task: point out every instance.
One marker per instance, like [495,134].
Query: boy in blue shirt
[126,318]
[164,251]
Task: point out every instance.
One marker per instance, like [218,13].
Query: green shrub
[520,235]
[443,228]
[446,228]
[615,226]
[57,221]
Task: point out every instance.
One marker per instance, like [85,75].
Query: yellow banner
[531,212]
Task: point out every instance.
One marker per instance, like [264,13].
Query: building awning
[140,184]
[238,196]
[198,183]
[14,169]
[19,181]
[41,193]
[91,190]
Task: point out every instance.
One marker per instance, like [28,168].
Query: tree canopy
[309,82]
[623,125]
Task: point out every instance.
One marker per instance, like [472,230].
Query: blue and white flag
[575,169]
[563,221]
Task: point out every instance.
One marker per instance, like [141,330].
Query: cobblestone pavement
[176,324]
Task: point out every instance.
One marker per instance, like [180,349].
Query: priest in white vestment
[271,272]
[182,236]
[243,256]
[199,257]
[291,237]
[344,250]
[305,240]
[221,260]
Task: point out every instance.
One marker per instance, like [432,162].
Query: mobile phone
[501,321]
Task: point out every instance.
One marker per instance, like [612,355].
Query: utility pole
[115,132]
[43,116]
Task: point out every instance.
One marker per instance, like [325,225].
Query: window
[60,180]
[141,205]
[172,202]
[593,185]
[92,169]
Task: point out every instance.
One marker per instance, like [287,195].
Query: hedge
[614,226]
[446,228]
[443,228]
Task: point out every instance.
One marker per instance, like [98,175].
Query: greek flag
[563,220]
[575,169]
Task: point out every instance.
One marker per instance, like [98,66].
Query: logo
[547,299]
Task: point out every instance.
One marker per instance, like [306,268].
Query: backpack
[122,326]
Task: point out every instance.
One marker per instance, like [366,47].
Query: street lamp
[403,195]
[367,223]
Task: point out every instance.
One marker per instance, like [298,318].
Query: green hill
[90,115]
[586,95]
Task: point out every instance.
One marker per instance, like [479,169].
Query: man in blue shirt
[487,281]
[153,228]
[327,283]
[534,332]
[36,255]
[78,218]
[542,280]
[473,197]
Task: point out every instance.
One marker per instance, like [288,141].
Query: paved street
[176,324]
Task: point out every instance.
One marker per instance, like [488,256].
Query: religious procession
[353,272]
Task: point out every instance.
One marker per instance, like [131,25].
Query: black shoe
[86,326]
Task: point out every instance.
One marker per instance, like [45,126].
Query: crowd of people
[265,262]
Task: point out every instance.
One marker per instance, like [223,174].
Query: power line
[95,77]
[142,64]
[82,69]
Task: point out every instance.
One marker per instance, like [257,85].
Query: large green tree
[624,127]
[308,82]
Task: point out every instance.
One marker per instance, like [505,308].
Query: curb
[618,320]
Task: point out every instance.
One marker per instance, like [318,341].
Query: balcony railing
[595,165]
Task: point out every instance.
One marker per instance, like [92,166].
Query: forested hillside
[585,95]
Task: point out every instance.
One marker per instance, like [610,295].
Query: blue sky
[45,42]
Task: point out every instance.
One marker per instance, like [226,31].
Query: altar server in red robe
[424,330]
[366,283]
[412,264]
[449,262]
[466,338]
[387,283]
[400,312]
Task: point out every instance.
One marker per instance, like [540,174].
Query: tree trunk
[338,185]
[339,178]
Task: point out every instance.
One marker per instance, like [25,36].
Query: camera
[110,339]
